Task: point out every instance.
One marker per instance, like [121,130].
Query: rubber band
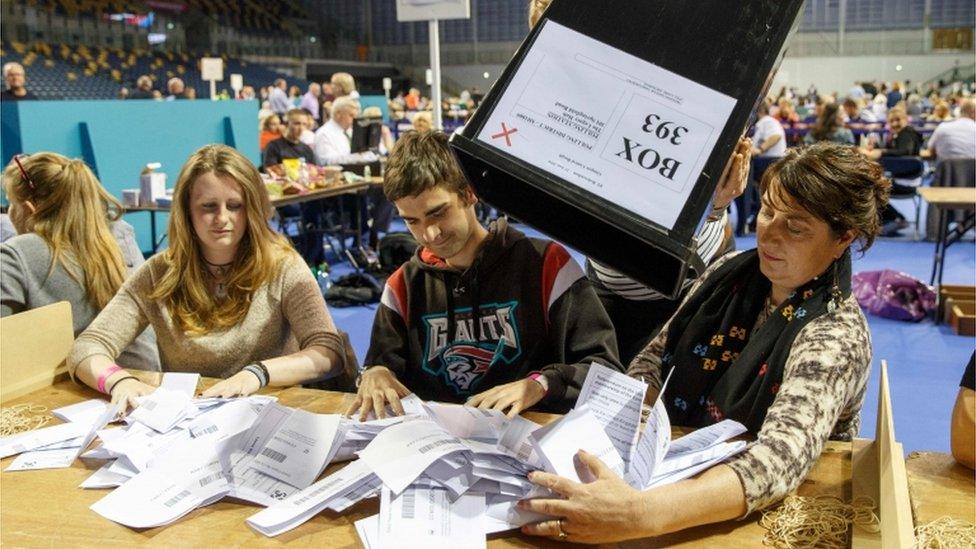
[822,521]
[22,418]
[945,532]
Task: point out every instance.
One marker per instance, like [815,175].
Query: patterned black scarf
[722,370]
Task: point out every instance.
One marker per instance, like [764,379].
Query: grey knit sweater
[25,284]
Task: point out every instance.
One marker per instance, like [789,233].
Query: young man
[487,316]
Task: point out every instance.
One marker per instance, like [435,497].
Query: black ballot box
[612,124]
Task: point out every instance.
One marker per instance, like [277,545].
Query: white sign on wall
[428,10]
[610,123]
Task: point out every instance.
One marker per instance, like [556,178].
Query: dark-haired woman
[769,337]
[829,127]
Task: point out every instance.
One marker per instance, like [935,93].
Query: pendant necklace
[217,272]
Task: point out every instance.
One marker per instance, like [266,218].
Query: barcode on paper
[409,504]
[177,498]
[435,444]
[275,455]
[210,478]
[149,405]
[205,431]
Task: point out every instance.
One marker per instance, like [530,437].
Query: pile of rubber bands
[822,521]
[21,418]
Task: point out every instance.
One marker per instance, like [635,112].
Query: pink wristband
[105,375]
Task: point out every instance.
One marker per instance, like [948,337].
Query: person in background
[829,127]
[270,130]
[333,140]
[190,93]
[310,101]
[903,140]
[247,93]
[963,430]
[853,114]
[289,145]
[386,137]
[879,106]
[144,88]
[308,132]
[176,89]
[423,121]
[786,114]
[769,139]
[941,112]
[295,96]
[72,246]
[787,353]
[228,298]
[278,99]
[344,84]
[412,100]
[955,138]
[16,79]
[894,95]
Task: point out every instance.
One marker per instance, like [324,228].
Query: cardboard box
[962,318]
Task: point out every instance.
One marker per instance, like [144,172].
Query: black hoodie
[537,313]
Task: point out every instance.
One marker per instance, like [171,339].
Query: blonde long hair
[183,288]
[71,213]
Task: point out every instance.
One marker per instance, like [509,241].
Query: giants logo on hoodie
[463,358]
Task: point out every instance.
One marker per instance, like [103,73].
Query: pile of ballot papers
[446,475]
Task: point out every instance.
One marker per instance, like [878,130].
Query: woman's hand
[126,390]
[377,387]
[733,182]
[603,511]
[242,383]
[515,396]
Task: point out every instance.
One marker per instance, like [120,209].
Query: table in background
[944,199]
[356,188]
[46,507]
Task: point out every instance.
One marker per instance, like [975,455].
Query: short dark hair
[419,162]
[836,184]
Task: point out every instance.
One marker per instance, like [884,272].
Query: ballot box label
[612,124]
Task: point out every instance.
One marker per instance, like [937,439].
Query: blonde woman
[229,298]
[72,246]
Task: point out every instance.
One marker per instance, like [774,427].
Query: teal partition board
[119,138]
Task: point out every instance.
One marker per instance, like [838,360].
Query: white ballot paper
[59,458]
[86,410]
[468,421]
[190,477]
[369,531]
[400,453]
[560,441]
[300,449]
[635,134]
[31,440]
[426,517]
[615,400]
[515,439]
[181,382]
[163,409]
[652,448]
[305,504]
[104,478]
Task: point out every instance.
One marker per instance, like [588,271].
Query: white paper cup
[130,197]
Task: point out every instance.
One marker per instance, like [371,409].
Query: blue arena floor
[925,361]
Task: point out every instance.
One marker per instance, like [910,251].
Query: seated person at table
[903,140]
[769,139]
[771,338]
[333,143]
[964,418]
[72,246]
[270,130]
[289,145]
[956,138]
[229,298]
[829,127]
[489,312]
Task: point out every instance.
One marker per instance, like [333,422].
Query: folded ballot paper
[445,475]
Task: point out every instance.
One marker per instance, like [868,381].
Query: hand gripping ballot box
[612,124]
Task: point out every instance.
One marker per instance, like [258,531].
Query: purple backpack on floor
[891,294]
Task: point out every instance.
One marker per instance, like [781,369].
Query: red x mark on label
[506,132]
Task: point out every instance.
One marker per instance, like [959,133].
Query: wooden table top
[950,197]
[940,487]
[45,507]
